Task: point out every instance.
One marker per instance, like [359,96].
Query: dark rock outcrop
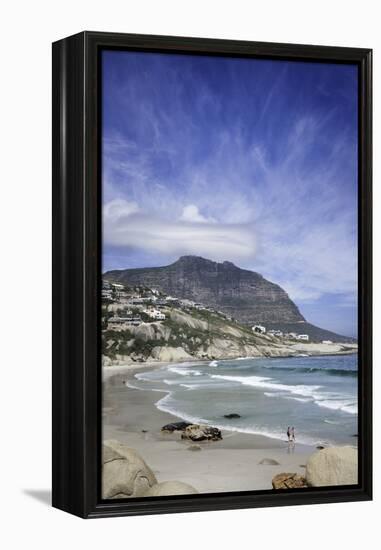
[232,415]
[175,426]
[199,432]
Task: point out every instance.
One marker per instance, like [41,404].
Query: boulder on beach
[332,466]
[288,481]
[194,448]
[200,432]
[232,415]
[167,488]
[175,426]
[124,472]
[269,462]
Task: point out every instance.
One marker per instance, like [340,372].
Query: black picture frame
[77,274]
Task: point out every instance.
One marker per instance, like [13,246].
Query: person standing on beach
[293,434]
[288,434]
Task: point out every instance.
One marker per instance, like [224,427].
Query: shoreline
[130,416]
[125,361]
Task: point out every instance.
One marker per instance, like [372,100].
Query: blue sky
[251,161]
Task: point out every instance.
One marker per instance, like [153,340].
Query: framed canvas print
[212,274]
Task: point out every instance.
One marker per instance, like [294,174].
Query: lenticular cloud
[125,224]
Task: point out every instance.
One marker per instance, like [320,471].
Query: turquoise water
[316,395]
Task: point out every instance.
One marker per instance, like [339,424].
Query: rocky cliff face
[242,294]
[195,335]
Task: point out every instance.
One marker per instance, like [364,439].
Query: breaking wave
[306,370]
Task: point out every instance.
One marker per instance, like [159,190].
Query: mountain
[242,294]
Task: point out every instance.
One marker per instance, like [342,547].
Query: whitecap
[129,385]
[351,409]
[166,404]
[184,371]
[179,370]
[147,376]
[338,405]
[281,394]
[269,383]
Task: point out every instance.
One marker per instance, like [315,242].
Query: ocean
[316,395]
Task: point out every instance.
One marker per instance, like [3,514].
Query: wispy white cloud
[192,214]
[304,240]
[127,225]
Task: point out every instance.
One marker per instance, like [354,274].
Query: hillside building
[259,329]
[155,314]
[303,337]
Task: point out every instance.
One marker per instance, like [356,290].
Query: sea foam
[268,383]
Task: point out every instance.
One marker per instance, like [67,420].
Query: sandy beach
[232,464]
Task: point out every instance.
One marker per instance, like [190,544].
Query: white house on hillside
[278,333]
[155,314]
[303,337]
[117,286]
